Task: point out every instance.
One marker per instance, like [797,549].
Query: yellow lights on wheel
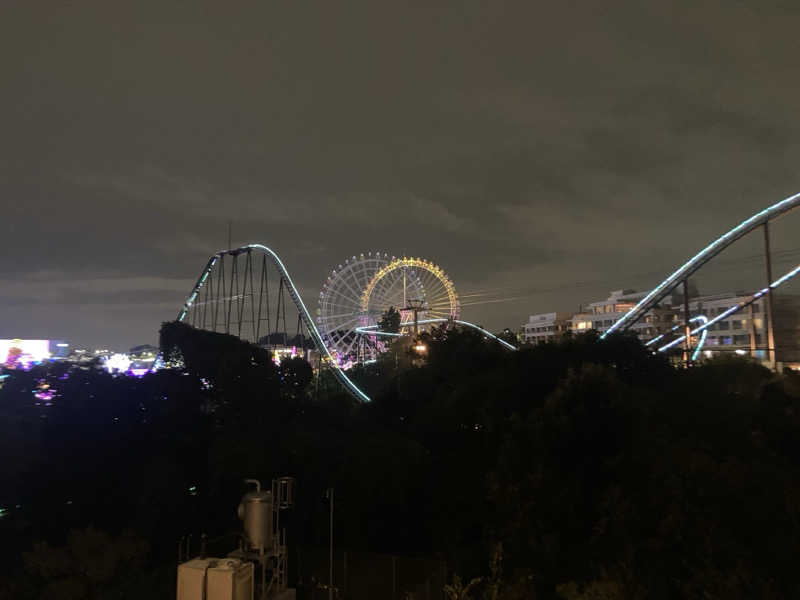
[418,263]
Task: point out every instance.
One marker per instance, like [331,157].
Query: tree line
[577,469]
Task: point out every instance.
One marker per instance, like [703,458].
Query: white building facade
[744,332]
[546,327]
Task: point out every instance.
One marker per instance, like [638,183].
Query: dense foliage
[390,320]
[586,468]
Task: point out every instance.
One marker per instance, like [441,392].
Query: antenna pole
[404,287]
[330,555]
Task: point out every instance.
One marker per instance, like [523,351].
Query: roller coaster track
[373,330]
[295,296]
[649,301]
[303,313]
[698,260]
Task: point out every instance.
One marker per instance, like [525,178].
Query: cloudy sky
[545,151]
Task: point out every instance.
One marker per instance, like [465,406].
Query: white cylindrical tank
[256,512]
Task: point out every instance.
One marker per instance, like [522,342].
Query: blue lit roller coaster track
[699,318]
[735,308]
[701,258]
[298,302]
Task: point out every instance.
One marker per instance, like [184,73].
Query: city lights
[118,363]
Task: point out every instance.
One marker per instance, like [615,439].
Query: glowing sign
[22,353]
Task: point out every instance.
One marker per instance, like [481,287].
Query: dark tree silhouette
[581,468]
[390,320]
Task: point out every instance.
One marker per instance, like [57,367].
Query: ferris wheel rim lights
[339,300]
[406,262]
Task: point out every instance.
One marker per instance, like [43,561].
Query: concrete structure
[601,315]
[545,327]
[744,332]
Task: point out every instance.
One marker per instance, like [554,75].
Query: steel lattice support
[225,289]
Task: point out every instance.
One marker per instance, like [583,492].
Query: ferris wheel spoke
[349,275]
[429,284]
[343,325]
[339,316]
[352,343]
[367,287]
[340,310]
[349,298]
[350,294]
[357,282]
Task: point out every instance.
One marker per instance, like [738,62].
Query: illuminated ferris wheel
[358,292]
[339,312]
[413,286]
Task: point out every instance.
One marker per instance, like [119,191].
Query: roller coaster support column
[770,305]
[687,327]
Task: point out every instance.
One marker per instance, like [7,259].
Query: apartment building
[743,332]
[545,327]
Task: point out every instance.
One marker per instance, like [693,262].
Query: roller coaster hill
[237,293]
[697,316]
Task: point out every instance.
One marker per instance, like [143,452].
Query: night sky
[545,151]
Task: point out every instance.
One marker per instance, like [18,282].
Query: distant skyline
[538,151]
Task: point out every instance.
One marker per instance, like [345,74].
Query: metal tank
[255,510]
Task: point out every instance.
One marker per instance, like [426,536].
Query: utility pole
[330,554]
[415,306]
[687,327]
[769,303]
[404,286]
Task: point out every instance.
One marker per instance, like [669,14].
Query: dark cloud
[557,150]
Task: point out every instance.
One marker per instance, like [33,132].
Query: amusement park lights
[702,319]
[423,282]
[118,363]
[439,277]
[339,306]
